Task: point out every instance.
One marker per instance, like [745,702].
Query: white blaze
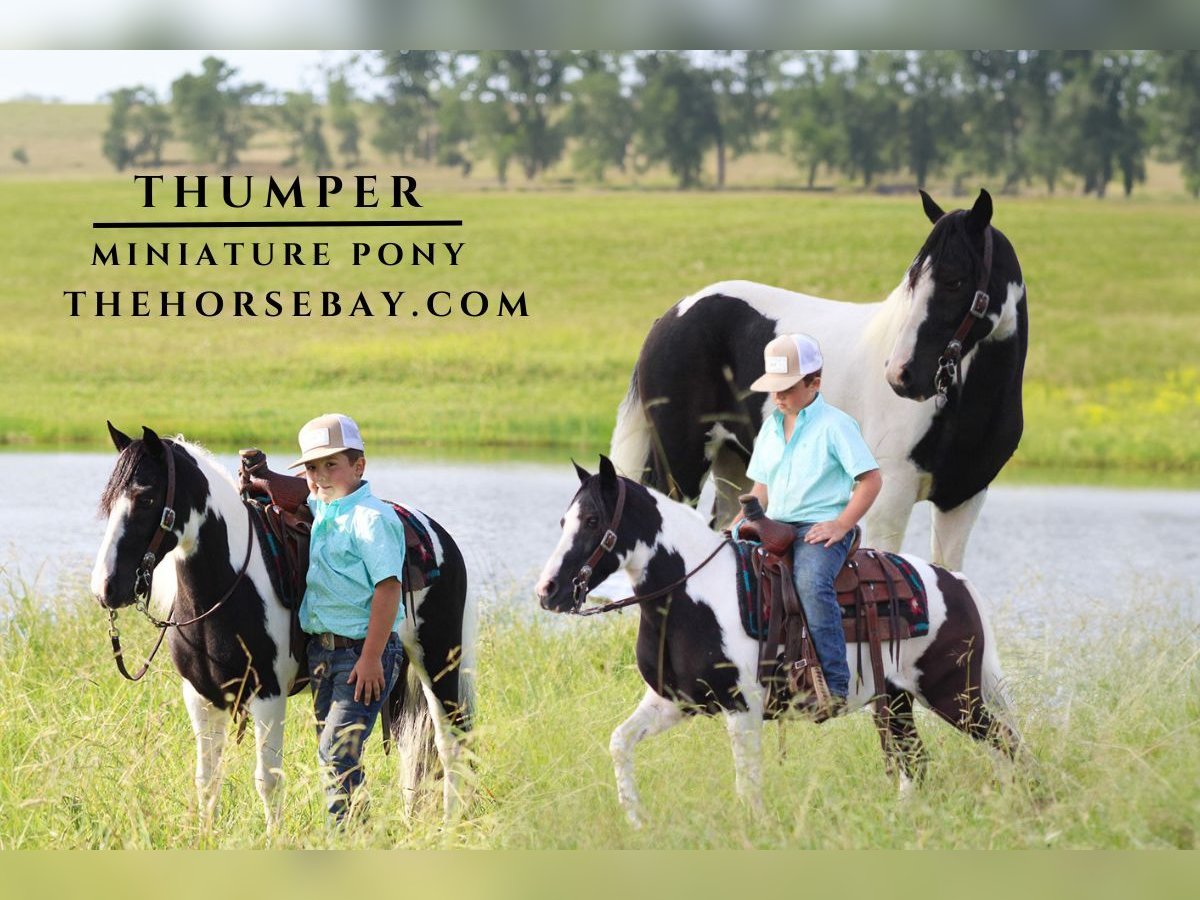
[554,563]
[906,340]
[106,556]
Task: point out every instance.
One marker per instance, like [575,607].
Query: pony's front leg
[269,714]
[653,715]
[950,529]
[208,725]
[745,737]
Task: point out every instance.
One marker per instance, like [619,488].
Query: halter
[948,363]
[580,585]
[144,578]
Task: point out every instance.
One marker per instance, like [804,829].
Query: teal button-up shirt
[357,541]
[810,477]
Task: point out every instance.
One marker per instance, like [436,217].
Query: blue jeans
[343,723]
[814,567]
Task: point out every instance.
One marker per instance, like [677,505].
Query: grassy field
[1113,378]
[1112,382]
[88,760]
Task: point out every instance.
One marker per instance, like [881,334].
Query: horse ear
[153,441]
[608,473]
[119,439]
[980,216]
[583,473]
[932,210]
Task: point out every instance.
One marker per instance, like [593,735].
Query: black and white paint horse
[241,654]
[689,410]
[695,656]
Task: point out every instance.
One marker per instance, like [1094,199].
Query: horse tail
[441,673]
[630,449]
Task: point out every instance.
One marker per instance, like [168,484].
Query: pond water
[1040,554]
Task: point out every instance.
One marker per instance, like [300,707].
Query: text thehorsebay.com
[239,247]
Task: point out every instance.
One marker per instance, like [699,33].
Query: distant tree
[20,155]
[1178,111]
[343,117]
[871,115]
[930,113]
[214,115]
[137,128]
[992,118]
[522,93]
[809,125]
[741,81]
[677,119]
[408,107]
[600,116]
[1104,120]
[300,116]
[1040,141]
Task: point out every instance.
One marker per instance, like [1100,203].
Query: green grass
[1111,381]
[89,760]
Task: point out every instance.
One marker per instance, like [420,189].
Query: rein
[948,372]
[144,579]
[580,582]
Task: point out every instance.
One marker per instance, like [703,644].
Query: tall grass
[88,760]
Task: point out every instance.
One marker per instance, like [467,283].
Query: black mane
[122,475]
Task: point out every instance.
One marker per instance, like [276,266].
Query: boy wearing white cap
[351,607]
[811,468]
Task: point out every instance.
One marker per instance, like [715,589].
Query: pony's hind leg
[653,715]
[208,726]
[745,737]
[269,715]
[904,751]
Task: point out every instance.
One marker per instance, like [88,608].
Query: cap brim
[318,453]
[771,383]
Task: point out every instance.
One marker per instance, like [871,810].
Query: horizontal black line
[323,223]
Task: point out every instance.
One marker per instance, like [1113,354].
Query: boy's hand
[828,533]
[367,678]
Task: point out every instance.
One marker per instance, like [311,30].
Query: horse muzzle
[553,596]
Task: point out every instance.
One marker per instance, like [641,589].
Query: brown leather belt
[331,641]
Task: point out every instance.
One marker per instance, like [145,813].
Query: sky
[84,76]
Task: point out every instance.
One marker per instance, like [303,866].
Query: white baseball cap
[787,359]
[326,435]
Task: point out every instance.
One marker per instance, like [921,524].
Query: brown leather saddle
[289,521]
[870,589]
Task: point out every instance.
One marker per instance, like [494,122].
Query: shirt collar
[804,415]
[321,509]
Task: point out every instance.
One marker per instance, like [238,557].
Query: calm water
[1126,544]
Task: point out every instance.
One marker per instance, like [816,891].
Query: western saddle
[869,589]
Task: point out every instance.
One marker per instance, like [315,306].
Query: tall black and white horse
[239,656]
[689,410]
[695,656]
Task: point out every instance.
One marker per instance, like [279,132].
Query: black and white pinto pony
[695,656]
[689,410]
[240,657]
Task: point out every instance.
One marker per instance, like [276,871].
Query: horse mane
[132,456]
[205,459]
[122,475]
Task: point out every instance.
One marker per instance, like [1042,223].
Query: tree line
[1015,118]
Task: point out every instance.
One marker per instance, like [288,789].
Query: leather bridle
[948,372]
[579,584]
[144,577]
